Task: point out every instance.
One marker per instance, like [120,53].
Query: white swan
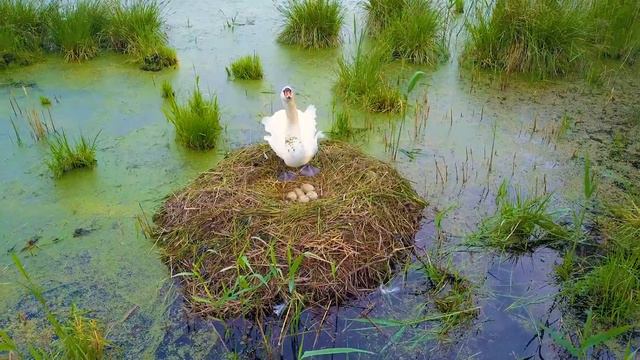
[293,135]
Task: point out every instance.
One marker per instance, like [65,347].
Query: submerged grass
[543,39]
[241,248]
[247,68]
[197,122]
[66,157]
[519,225]
[81,30]
[416,34]
[77,338]
[311,23]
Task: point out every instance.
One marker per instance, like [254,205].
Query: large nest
[243,249]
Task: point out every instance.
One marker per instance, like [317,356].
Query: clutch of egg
[304,193]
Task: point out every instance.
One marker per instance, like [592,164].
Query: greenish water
[114,271]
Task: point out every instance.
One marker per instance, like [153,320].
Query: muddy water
[113,271]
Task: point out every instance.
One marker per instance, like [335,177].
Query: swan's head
[286,94]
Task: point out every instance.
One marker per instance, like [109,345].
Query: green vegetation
[66,157]
[341,128]
[247,68]
[519,225]
[77,338]
[542,39]
[311,23]
[361,81]
[197,122]
[167,90]
[81,30]
[458,6]
[381,13]
[416,34]
[617,28]
[45,101]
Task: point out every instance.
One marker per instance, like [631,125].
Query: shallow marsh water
[114,272]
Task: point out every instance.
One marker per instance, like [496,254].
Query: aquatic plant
[341,128]
[382,12]
[247,68]
[458,6]
[45,101]
[311,23]
[542,39]
[360,81]
[65,157]
[167,90]
[78,27]
[416,34]
[519,225]
[197,122]
[243,249]
[23,28]
[617,32]
[77,338]
[588,338]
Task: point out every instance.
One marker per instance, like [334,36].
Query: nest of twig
[242,248]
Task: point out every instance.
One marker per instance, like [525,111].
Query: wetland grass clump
[541,39]
[617,24]
[247,68]
[416,34]
[45,101]
[519,225]
[241,248]
[361,81]
[380,13]
[197,122]
[167,90]
[83,29]
[342,127]
[66,157]
[311,23]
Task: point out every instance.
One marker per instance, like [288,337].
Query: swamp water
[91,251]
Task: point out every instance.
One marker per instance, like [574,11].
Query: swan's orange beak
[288,94]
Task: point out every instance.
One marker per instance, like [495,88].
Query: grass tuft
[543,39]
[380,13]
[66,157]
[458,6]
[197,122]
[416,34]
[167,90]
[78,27]
[311,23]
[360,81]
[342,128]
[617,30]
[45,101]
[247,68]
[519,225]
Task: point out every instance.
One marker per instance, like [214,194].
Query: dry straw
[241,248]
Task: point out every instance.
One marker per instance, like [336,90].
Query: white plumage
[292,133]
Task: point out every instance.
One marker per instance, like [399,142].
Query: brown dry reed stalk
[241,248]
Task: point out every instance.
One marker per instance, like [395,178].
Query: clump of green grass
[167,90]
[197,122]
[519,225]
[247,68]
[78,27]
[45,101]
[311,23]
[617,32]
[380,13]
[458,6]
[543,39]
[361,81]
[66,157]
[416,34]
[78,337]
[342,128]
[23,26]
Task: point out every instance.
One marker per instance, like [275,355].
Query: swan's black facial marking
[288,93]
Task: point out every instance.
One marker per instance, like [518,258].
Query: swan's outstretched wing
[276,127]
[308,125]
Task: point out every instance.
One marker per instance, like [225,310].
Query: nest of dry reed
[242,249]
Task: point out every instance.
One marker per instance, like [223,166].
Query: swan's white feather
[296,145]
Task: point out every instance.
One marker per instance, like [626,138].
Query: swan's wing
[276,127]
[310,134]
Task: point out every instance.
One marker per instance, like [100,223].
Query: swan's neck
[292,112]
